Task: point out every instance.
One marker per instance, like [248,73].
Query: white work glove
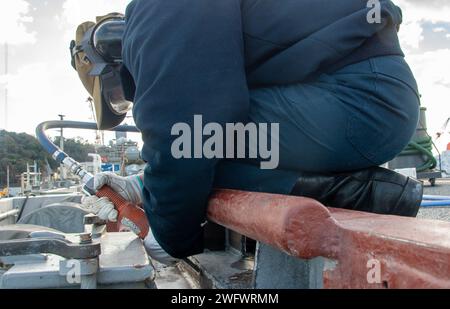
[130,188]
[102,207]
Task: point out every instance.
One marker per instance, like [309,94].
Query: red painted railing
[367,250]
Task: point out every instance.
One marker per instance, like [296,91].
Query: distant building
[121,135]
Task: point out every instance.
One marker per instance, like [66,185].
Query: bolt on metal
[85,238]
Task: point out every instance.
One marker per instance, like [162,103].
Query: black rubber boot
[375,190]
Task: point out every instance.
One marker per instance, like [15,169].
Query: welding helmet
[97,57]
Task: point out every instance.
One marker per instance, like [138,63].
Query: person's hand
[102,207]
[130,188]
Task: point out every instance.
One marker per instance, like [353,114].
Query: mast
[6,86]
[6,108]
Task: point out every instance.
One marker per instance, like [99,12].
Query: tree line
[18,149]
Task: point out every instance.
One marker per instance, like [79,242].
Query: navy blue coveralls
[338,86]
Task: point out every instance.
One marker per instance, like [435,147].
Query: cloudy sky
[42,84]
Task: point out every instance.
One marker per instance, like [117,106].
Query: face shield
[97,57]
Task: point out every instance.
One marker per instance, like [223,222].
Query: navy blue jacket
[201,57]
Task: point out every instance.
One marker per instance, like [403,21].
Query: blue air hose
[443,203]
[59,155]
[436,201]
[436,198]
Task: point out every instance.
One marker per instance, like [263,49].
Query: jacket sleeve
[186,58]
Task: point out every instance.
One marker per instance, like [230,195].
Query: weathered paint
[411,253]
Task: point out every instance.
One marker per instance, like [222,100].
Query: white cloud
[41,91]
[15,14]
[411,34]
[431,67]
[415,13]
[424,9]
[439,29]
[77,11]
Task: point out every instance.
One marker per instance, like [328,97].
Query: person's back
[300,39]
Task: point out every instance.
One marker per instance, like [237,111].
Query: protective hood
[96,56]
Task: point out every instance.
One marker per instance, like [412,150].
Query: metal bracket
[60,247]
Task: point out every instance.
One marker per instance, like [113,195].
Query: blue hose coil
[436,198]
[442,203]
[52,149]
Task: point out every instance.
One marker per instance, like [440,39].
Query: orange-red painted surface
[367,250]
[130,216]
